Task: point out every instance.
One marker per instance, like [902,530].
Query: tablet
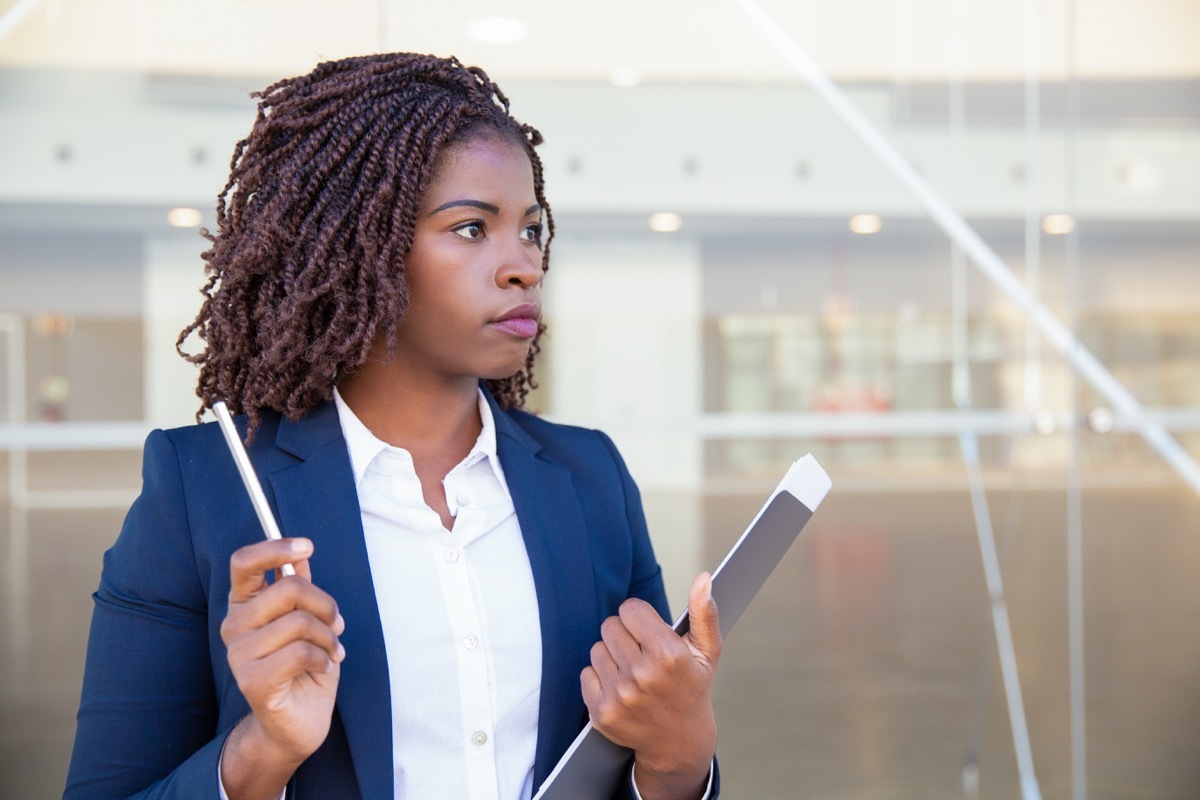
[593,767]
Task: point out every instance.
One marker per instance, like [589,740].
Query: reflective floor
[866,669]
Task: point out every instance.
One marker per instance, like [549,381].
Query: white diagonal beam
[999,607]
[984,258]
[16,15]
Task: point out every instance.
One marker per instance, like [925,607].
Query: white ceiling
[665,40]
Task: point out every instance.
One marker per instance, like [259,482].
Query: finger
[301,567]
[295,660]
[647,628]
[287,595]
[704,631]
[624,649]
[590,687]
[249,565]
[298,626]
[605,666]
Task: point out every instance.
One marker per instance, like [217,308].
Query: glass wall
[902,232]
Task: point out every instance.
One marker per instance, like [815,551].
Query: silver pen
[249,478]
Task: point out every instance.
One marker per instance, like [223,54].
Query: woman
[472,582]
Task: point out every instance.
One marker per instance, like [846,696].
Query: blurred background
[950,247]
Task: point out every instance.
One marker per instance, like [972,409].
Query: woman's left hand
[650,690]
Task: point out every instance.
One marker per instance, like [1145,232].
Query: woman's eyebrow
[488,207]
[482,206]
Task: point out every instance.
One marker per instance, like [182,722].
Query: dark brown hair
[306,268]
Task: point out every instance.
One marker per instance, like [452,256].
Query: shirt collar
[364,446]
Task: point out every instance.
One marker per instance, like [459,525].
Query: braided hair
[306,268]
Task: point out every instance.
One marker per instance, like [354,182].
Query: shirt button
[463,500]
[452,556]
[479,738]
[471,642]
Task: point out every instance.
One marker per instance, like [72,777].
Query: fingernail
[708,588]
[341,653]
[301,547]
[339,625]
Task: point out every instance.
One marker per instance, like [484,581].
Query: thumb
[704,629]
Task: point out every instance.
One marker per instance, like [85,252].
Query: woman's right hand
[283,649]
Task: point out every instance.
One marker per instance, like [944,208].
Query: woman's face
[474,270]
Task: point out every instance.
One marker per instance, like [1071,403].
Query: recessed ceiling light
[1101,419]
[665,222]
[185,217]
[55,389]
[866,223]
[1138,175]
[1044,422]
[497,30]
[625,76]
[1058,224]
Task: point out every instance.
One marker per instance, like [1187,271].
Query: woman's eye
[470,230]
[533,233]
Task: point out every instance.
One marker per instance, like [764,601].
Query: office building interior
[951,248]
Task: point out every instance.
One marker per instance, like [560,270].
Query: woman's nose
[521,266]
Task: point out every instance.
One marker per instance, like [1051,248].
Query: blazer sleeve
[148,712]
[646,576]
[646,583]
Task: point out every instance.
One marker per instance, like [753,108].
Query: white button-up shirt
[460,620]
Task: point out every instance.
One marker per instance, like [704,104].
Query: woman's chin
[506,367]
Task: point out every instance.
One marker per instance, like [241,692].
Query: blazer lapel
[317,498]
[556,540]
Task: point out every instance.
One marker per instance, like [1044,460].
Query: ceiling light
[1058,224]
[52,324]
[1138,175]
[55,389]
[497,30]
[624,76]
[1045,422]
[866,223]
[665,222]
[1101,419]
[185,217]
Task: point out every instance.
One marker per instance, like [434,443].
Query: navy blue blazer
[158,695]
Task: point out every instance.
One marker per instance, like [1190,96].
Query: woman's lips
[521,321]
[524,327]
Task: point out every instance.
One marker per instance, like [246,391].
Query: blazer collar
[311,432]
[505,426]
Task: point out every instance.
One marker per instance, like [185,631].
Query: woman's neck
[431,421]
[437,423]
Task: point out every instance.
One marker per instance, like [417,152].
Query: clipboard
[593,767]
